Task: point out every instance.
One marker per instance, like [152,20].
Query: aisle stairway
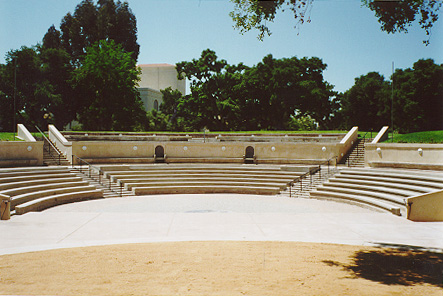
[386,189]
[53,156]
[356,157]
[110,189]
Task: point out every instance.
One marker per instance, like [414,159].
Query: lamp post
[15,91]
[392,103]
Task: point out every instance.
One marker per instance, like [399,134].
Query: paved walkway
[211,217]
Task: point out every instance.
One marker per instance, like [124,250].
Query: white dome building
[155,77]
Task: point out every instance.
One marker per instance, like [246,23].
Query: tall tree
[268,95]
[418,104]
[367,103]
[278,89]
[212,101]
[24,72]
[394,16]
[108,20]
[107,84]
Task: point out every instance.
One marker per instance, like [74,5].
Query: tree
[273,94]
[278,89]
[24,72]
[107,85]
[105,21]
[367,103]
[417,99]
[212,103]
[394,16]
[418,93]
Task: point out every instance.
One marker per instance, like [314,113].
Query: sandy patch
[223,268]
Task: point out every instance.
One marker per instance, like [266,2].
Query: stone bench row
[273,179]
[200,174]
[31,177]
[388,190]
[33,189]
[201,189]
[131,183]
[57,199]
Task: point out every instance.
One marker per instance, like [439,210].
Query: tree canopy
[90,23]
[269,95]
[416,96]
[107,83]
[394,16]
[50,76]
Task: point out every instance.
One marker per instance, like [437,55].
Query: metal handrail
[300,178]
[100,173]
[50,143]
[358,149]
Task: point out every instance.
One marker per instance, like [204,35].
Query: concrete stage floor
[200,217]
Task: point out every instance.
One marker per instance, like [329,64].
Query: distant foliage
[393,15]
[107,83]
[275,94]
[90,23]
[417,99]
[50,87]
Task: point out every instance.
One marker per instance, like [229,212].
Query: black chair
[159,154]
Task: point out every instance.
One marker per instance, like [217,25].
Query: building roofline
[155,65]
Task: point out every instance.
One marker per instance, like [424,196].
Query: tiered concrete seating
[384,189]
[169,179]
[37,188]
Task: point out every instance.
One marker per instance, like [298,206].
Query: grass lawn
[10,136]
[431,137]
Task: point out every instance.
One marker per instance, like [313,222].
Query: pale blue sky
[343,34]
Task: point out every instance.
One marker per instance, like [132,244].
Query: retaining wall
[21,153]
[420,156]
[426,207]
[264,151]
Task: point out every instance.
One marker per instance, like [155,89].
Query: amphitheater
[68,190]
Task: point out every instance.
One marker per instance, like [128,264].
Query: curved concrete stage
[212,217]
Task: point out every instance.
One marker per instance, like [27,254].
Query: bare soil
[223,268]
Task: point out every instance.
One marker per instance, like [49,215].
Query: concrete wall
[5,207]
[404,155]
[427,207]
[21,153]
[382,135]
[347,142]
[271,151]
[144,149]
[24,134]
[60,141]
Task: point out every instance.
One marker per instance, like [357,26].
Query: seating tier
[384,189]
[58,199]
[204,178]
[34,189]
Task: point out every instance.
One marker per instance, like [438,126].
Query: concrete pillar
[5,207]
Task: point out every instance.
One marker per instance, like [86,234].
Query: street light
[392,103]
[15,91]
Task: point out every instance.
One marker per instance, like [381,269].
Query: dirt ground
[223,268]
